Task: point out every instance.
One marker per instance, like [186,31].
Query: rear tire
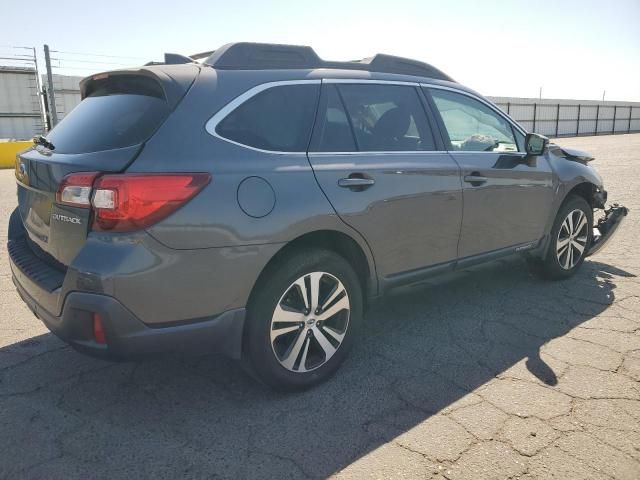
[569,242]
[302,319]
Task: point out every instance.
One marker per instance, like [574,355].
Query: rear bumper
[607,227]
[128,337]
[151,298]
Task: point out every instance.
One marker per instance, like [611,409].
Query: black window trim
[360,81]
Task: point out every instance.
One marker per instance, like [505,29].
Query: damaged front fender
[606,227]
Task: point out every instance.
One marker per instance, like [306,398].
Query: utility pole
[52,98]
[40,92]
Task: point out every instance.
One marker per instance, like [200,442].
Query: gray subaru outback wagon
[252,203]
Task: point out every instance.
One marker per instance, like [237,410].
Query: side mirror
[535,143]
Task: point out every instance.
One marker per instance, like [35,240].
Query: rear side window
[387,118]
[277,119]
[333,132]
[114,115]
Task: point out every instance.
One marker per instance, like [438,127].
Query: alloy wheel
[310,322]
[572,239]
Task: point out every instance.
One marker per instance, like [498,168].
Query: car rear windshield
[116,113]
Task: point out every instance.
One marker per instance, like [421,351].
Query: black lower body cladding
[127,337]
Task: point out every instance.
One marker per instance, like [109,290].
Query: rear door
[374,155]
[507,195]
[104,133]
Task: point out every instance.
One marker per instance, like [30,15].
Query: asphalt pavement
[488,373]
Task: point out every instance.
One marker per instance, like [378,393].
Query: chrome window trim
[370,81]
[481,100]
[221,114]
[213,122]
[383,152]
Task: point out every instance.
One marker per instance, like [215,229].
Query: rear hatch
[104,133]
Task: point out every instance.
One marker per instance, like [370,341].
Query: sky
[570,49]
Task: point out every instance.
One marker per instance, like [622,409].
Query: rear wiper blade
[40,140]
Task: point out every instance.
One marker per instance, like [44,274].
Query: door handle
[475,179]
[357,183]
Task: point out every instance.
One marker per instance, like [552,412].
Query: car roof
[267,56]
[257,77]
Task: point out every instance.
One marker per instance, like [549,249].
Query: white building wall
[20,112]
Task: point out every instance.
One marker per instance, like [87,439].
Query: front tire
[570,239]
[302,319]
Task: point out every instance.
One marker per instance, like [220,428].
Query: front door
[374,156]
[507,195]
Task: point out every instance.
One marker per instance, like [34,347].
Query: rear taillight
[129,201]
[98,329]
[75,189]
[135,201]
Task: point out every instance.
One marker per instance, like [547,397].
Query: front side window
[277,119]
[386,117]
[471,125]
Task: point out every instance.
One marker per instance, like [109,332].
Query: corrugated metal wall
[20,110]
[572,117]
[67,92]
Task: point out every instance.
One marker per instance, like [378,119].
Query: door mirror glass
[535,143]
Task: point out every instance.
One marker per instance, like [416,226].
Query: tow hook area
[607,227]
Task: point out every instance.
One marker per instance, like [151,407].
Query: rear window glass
[104,121]
[276,119]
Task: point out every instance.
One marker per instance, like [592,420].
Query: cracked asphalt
[488,373]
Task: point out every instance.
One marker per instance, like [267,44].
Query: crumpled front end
[607,226]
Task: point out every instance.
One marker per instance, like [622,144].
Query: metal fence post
[613,129]
[557,118]
[597,118]
[578,122]
[535,107]
[630,111]
[508,107]
[50,90]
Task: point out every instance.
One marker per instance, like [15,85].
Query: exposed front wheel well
[585,190]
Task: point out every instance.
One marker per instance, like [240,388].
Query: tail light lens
[128,202]
[98,329]
[75,189]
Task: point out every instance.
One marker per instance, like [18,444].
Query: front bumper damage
[606,227]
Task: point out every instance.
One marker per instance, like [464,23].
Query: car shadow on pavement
[423,349]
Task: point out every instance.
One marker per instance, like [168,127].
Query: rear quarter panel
[214,218]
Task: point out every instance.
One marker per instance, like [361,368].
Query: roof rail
[266,56]
[176,58]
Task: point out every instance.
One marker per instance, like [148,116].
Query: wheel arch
[583,188]
[356,254]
